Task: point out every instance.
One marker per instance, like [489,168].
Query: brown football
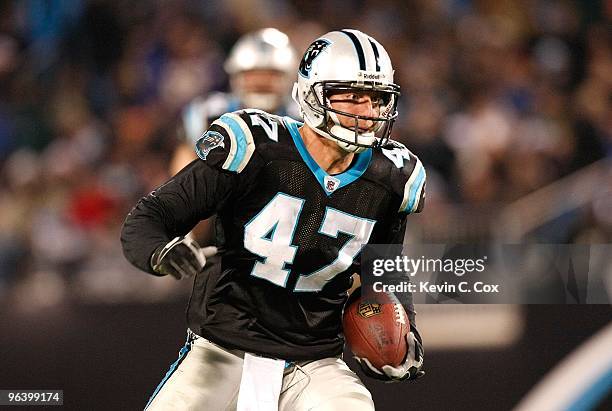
[376,330]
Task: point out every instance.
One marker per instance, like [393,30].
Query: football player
[296,201]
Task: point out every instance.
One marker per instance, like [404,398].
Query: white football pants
[207,377]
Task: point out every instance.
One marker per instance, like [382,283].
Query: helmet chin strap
[344,133]
[350,148]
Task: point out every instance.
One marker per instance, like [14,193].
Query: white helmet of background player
[347,61]
[261,65]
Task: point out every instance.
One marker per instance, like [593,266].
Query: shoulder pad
[231,139]
[412,175]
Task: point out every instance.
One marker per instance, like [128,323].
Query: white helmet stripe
[358,48]
[365,47]
[376,55]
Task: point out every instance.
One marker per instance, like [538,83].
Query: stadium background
[508,104]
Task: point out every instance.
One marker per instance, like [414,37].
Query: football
[375,328]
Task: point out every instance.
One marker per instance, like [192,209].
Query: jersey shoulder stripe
[232,140]
[242,144]
[414,189]
[407,176]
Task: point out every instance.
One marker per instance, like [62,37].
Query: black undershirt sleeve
[173,209]
[396,236]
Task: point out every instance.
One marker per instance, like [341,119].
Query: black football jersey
[291,233]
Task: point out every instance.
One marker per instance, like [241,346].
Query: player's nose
[366,109]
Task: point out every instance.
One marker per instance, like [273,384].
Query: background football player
[297,201]
[261,67]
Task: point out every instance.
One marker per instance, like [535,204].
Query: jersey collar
[329,183]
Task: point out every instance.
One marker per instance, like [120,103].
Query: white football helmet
[262,50]
[347,61]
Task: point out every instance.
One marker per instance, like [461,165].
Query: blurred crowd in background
[499,99]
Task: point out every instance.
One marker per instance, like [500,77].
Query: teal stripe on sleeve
[241,141]
[414,190]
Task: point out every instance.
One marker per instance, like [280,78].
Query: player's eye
[381,99]
[343,98]
[354,98]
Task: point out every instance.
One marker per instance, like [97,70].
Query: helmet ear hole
[295,95]
[313,114]
[312,100]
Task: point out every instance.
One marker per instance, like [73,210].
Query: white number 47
[270,233]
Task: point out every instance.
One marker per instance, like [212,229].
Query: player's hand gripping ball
[376,329]
[378,333]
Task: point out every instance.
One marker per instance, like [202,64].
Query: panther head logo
[310,55]
[209,141]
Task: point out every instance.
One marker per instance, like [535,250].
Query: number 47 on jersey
[270,234]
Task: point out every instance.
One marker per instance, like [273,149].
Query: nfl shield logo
[369,310]
[331,183]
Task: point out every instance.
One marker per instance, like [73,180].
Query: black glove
[411,369]
[181,257]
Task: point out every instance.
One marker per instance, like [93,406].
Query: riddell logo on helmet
[371,75]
